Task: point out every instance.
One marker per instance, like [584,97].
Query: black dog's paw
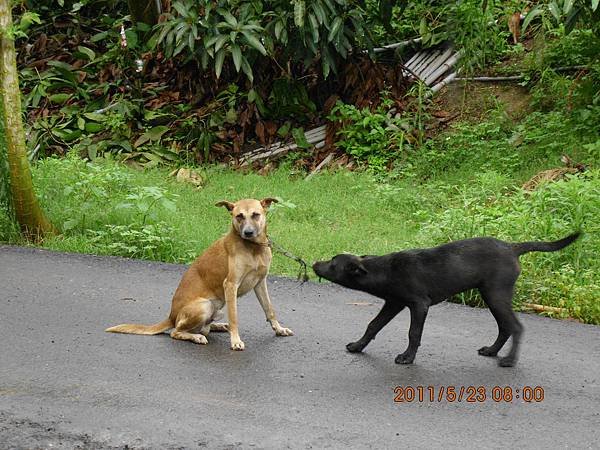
[404,358]
[487,351]
[507,361]
[355,347]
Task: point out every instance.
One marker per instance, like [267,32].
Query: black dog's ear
[356,268]
[226,204]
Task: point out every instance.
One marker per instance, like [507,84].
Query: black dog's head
[347,270]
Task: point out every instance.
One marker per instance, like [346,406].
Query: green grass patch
[465,183]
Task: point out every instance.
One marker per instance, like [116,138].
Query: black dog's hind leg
[500,304]
[387,313]
[418,314]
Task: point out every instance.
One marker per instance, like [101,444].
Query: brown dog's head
[249,216]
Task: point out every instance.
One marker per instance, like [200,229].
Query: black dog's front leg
[387,313]
[418,314]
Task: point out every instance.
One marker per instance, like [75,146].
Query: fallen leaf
[184,175]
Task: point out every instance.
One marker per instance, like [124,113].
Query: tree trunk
[28,213]
[146,11]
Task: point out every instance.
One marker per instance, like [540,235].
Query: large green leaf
[314,27]
[299,11]
[97,117]
[219,58]
[236,54]
[221,41]
[335,28]
[535,12]
[319,12]
[210,41]
[87,52]
[181,8]
[567,6]
[59,98]
[554,10]
[153,134]
[92,127]
[247,69]
[232,21]
[326,63]
[254,42]
[278,28]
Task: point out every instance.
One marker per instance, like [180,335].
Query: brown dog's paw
[283,332]
[219,327]
[199,339]
[238,346]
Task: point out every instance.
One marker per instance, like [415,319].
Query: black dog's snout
[248,233]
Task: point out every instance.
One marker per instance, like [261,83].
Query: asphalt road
[65,383]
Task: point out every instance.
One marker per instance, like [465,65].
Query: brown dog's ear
[266,202]
[226,204]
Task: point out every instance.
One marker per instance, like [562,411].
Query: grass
[465,183]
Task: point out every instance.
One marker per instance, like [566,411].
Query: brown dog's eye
[240,216]
[255,215]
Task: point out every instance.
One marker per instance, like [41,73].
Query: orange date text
[468,394]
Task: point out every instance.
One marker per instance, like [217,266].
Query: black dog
[420,278]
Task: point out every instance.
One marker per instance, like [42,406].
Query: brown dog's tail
[132,328]
[525,247]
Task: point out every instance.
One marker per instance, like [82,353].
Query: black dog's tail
[525,247]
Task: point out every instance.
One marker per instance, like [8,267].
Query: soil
[473,100]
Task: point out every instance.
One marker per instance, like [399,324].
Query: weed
[373,138]
[143,241]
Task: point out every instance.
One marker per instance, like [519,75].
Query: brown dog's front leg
[263,298]
[231,300]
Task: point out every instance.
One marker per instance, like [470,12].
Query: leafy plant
[142,241]
[86,188]
[567,13]
[302,31]
[289,99]
[373,138]
[418,110]
[473,29]
[211,32]
[145,200]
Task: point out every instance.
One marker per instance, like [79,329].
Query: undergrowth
[465,183]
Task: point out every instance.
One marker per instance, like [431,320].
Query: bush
[373,138]
[250,35]
[102,201]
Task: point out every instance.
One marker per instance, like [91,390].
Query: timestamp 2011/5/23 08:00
[468,394]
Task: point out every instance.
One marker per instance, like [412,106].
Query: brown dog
[228,269]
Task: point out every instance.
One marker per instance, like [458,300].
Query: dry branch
[543,308]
